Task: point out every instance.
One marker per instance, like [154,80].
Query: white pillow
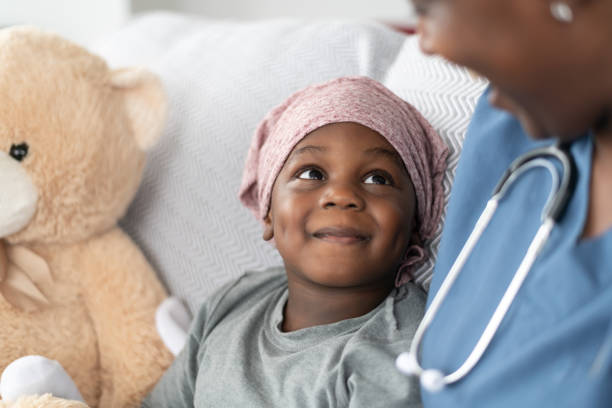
[221,78]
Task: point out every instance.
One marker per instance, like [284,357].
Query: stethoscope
[562,187]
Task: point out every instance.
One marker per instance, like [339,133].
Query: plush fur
[86,127]
[44,401]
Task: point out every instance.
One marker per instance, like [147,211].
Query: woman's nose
[341,196]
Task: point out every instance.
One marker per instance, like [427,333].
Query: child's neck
[310,305]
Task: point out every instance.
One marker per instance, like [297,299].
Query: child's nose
[342,196]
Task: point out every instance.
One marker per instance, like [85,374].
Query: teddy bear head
[72,138]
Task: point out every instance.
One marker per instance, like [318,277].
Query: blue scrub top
[554,346]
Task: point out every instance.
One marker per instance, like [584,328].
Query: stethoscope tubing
[434,380]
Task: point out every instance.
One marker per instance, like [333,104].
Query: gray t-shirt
[237,356]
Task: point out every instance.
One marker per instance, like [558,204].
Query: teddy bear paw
[172,320]
[37,375]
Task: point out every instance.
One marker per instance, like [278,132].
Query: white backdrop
[79,20]
[387,10]
[85,20]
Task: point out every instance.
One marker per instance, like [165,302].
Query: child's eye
[377,178]
[310,174]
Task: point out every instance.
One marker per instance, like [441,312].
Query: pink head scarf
[367,102]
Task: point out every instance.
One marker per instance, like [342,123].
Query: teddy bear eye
[19,151]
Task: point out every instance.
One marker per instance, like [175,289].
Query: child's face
[343,208]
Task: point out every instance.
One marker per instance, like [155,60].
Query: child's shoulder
[250,282]
[241,292]
[259,282]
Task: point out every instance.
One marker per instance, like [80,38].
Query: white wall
[80,20]
[85,20]
[387,10]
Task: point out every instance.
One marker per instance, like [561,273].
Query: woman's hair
[367,102]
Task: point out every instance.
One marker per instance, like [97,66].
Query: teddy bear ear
[145,101]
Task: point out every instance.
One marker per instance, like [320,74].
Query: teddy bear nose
[19,151]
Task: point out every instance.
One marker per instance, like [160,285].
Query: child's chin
[341,276]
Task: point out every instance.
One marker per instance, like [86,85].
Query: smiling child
[346,179]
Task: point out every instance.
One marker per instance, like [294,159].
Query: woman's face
[548,73]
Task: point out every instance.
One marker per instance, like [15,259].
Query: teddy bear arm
[122,299]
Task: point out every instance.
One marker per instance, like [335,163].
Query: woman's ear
[268,232]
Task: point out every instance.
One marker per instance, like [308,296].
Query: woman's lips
[341,235]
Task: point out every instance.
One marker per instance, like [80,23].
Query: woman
[550,66]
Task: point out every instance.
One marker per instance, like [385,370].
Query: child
[346,178]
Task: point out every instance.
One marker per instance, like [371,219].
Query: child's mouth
[341,235]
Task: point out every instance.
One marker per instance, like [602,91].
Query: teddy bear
[74,288]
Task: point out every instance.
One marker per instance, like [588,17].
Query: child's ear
[268,232]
